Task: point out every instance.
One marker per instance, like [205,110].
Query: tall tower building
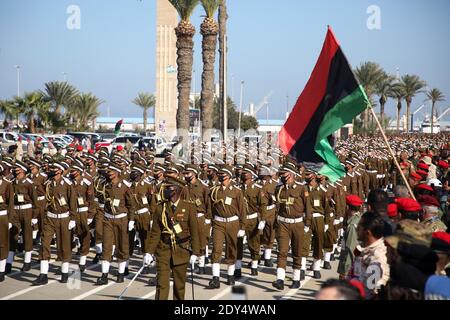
[166,69]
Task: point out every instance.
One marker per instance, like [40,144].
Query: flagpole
[392,152]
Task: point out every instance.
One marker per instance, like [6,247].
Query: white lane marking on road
[291,292]
[21,292]
[93,291]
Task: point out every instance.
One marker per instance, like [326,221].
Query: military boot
[102,280]
[26,267]
[41,280]
[231,281]
[64,277]
[279,284]
[214,283]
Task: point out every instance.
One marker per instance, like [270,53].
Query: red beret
[404,165]
[441,241]
[443,164]
[425,187]
[353,200]
[422,173]
[408,205]
[360,286]
[392,210]
[90,151]
[415,176]
[426,200]
[119,148]
[423,166]
[79,148]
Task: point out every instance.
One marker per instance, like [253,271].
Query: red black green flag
[118,127]
[331,99]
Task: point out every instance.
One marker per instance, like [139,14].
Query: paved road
[18,284]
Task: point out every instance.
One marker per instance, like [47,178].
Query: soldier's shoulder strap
[67,180]
[127,183]
[87,181]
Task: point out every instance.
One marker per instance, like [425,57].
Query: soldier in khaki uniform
[173,237]
[317,205]
[198,194]
[38,179]
[118,221]
[142,192]
[8,218]
[293,221]
[86,210]
[99,183]
[255,202]
[25,200]
[268,213]
[60,220]
[229,219]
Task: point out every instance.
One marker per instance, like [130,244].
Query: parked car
[95,137]
[9,138]
[157,145]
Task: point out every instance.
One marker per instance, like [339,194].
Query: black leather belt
[166,240]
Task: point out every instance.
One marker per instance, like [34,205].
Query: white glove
[306,229]
[9,226]
[208,221]
[336,221]
[72,224]
[130,225]
[241,234]
[193,259]
[89,221]
[148,259]
[341,219]
[261,225]
[34,221]
[326,227]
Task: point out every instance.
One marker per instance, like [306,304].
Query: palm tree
[145,101]
[412,85]
[28,107]
[398,93]
[223,16]
[383,89]
[185,58]
[84,109]
[9,110]
[209,30]
[369,74]
[434,95]
[60,94]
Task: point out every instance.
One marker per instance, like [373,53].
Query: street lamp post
[65,76]
[240,108]
[18,80]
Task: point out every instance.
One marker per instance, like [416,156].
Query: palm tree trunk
[382,111]
[223,16]
[432,117]
[185,59]
[399,107]
[408,112]
[209,30]
[31,125]
[145,119]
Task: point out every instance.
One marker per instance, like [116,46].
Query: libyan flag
[331,99]
[118,126]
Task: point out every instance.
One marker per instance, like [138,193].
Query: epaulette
[258,186]
[323,188]
[67,181]
[204,183]
[300,183]
[43,174]
[127,183]
[7,180]
[29,180]
[87,181]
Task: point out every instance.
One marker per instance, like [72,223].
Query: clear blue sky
[273,45]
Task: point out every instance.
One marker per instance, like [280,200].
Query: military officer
[38,179]
[174,236]
[229,220]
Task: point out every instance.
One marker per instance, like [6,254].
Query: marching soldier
[173,238]
[99,183]
[83,190]
[8,218]
[25,200]
[60,220]
[293,221]
[38,179]
[142,192]
[229,219]
[255,202]
[198,194]
[317,206]
[269,212]
[118,221]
